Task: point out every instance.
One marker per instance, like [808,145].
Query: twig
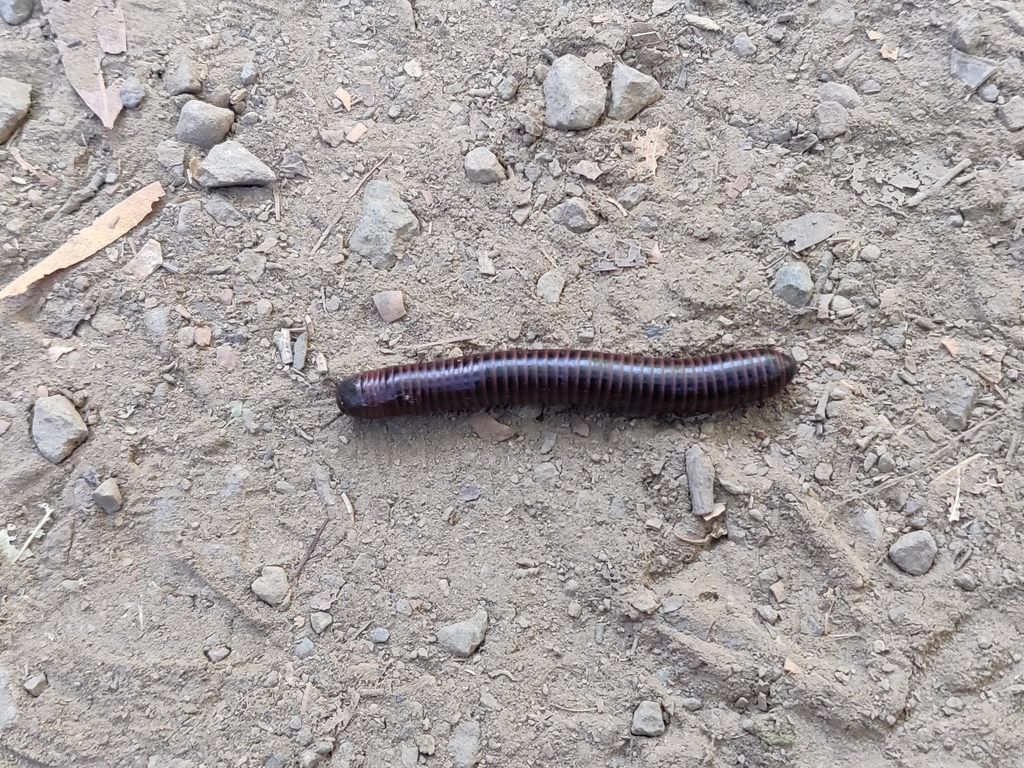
[334,222]
[438,343]
[349,507]
[694,542]
[951,174]
[310,548]
[592,710]
[32,536]
[961,466]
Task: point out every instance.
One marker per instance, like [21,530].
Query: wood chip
[874,35]
[778,590]
[101,233]
[791,667]
[203,336]
[889,52]
[356,133]
[345,98]
[390,305]
[490,429]
[952,345]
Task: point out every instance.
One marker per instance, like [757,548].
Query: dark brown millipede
[630,384]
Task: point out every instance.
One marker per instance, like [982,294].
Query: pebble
[647,719]
[958,403]
[841,94]
[380,635]
[203,124]
[170,154]
[272,586]
[229,164]
[550,286]
[967,34]
[304,648]
[914,552]
[989,93]
[743,47]
[182,75]
[320,621]
[972,71]
[250,73]
[15,100]
[146,261]
[385,218]
[823,473]
[57,428]
[574,94]
[630,197]
[1010,114]
[36,684]
[886,464]
[507,88]
[631,91]
[16,12]
[691,703]
[575,215]
[700,475]
[390,305]
[483,166]
[575,610]
[132,93]
[832,120]
[107,496]
[793,283]
[965,582]
[218,653]
[463,638]
[465,745]
[223,212]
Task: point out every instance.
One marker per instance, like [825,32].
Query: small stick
[334,223]
[955,171]
[310,548]
[349,507]
[439,343]
[49,511]
[962,465]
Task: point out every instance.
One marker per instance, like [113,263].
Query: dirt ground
[793,639]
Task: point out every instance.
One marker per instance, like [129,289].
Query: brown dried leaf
[736,186]
[874,35]
[651,146]
[791,667]
[345,98]
[490,429]
[356,133]
[889,52]
[101,233]
[952,345]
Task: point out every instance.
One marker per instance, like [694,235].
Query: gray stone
[967,34]
[958,403]
[203,124]
[914,552]
[1011,114]
[631,91]
[575,215]
[223,212]
[304,648]
[107,496]
[380,635]
[700,476]
[832,118]
[691,703]
[36,684]
[632,196]
[272,586]
[182,75]
[989,93]
[886,464]
[550,286]
[16,12]
[465,745]
[743,47]
[320,621]
[841,94]
[57,428]
[15,99]
[170,154]
[132,93]
[483,166]
[507,88]
[231,165]
[574,95]
[793,284]
[250,72]
[385,218]
[218,653]
[823,473]
[972,71]
[463,638]
[647,719]
[870,87]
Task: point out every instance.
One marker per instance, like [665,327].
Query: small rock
[36,684]
[380,635]
[691,703]
[631,91]
[320,621]
[218,653]
[57,428]
[972,71]
[507,88]
[229,164]
[171,154]
[15,100]
[250,73]
[132,93]
[833,120]
[203,124]
[223,212]
[107,496]
[823,473]
[647,719]
[630,197]
[16,12]
[989,93]
[465,745]
[146,261]
[390,305]
[550,286]
[914,552]
[967,34]
[743,47]
[958,403]
[793,283]
[463,638]
[575,215]
[700,475]
[1010,114]
[272,586]
[304,648]
[965,582]
[768,614]
[182,75]
[483,166]
[870,87]
[886,464]
[574,94]
[385,217]
[841,94]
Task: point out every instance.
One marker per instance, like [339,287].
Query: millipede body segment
[630,384]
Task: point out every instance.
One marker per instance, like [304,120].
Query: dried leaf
[651,146]
[874,35]
[791,667]
[345,98]
[889,52]
[810,229]
[490,429]
[324,601]
[655,256]
[56,352]
[736,186]
[702,22]
[356,133]
[101,233]
[952,345]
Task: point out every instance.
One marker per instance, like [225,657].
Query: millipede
[628,384]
